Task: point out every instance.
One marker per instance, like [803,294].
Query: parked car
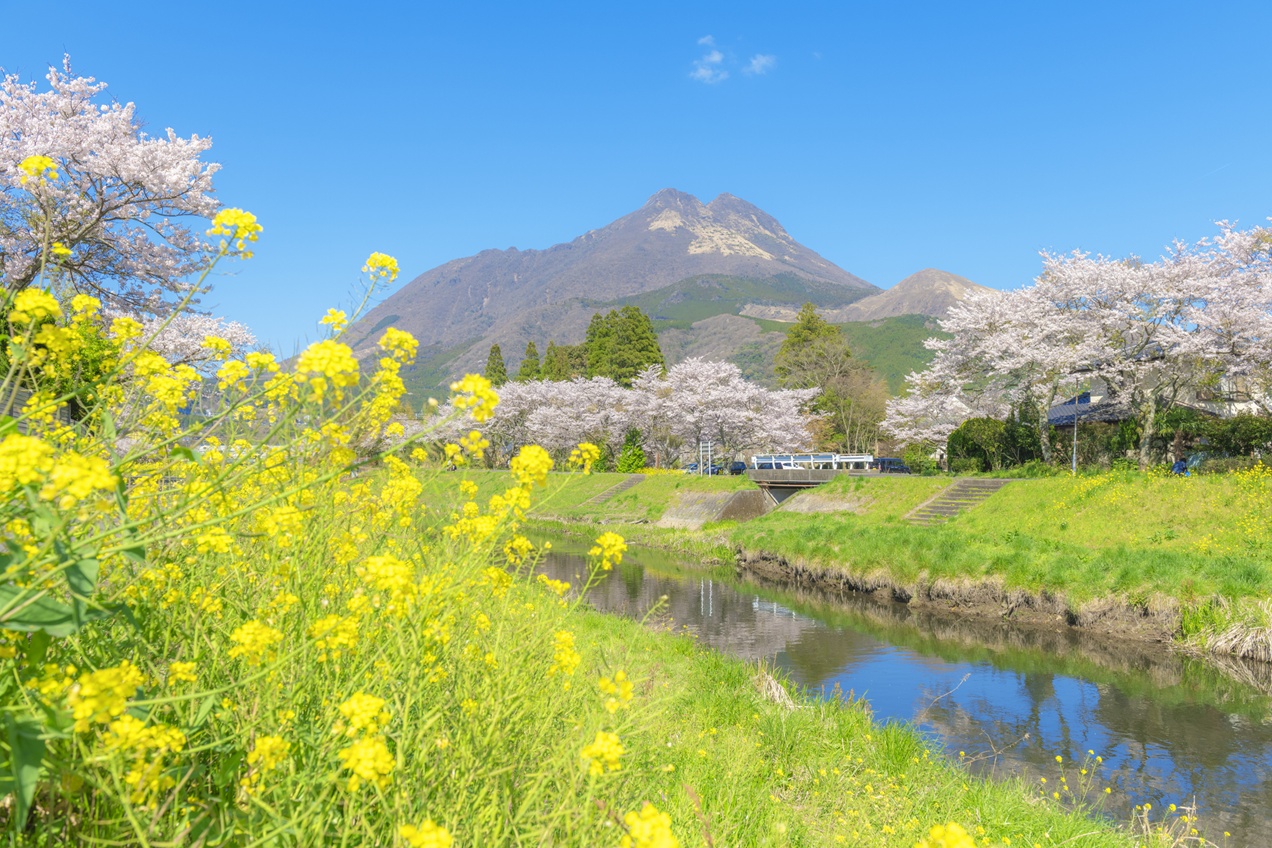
[737,467]
[889,465]
[691,468]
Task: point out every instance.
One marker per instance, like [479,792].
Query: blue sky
[888,137]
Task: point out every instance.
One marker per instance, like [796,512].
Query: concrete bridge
[780,484]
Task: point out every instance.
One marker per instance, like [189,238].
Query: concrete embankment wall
[691,510]
[1157,619]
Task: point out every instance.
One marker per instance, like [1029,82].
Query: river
[1170,729]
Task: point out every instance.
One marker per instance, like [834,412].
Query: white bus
[808,461]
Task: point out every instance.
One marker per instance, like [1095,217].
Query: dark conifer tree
[530,369]
[556,363]
[496,373]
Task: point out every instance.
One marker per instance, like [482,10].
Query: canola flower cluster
[214,617]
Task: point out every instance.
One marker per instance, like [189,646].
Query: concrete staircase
[616,489]
[960,496]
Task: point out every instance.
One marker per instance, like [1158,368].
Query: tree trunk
[1148,417]
[1044,429]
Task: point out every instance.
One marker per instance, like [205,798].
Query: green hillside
[681,304]
[891,346]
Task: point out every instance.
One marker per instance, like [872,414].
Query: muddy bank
[1159,620]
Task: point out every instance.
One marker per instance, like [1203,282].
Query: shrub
[1227,465]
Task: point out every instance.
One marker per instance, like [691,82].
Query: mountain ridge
[509,296]
[679,259]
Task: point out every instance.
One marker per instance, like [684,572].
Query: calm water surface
[1170,729]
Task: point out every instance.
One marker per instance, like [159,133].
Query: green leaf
[205,709]
[227,772]
[8,425]
[108,428]
[37,646]
[43,613]
[187,454]
[82,577]
[26,754]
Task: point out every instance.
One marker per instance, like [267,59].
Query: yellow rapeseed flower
[399,344]
[950,835]
[609,548]
[363,713]
[531,466]
[217,346]
[38,167]
[427,835]
[239,226]
[31,305]
[648,829]
[255,642]
[101,696]
[370,761]
[336,319]
[619,691]
[381,266]
[475,394]
[584,456]
[266,755]
[603,753]
[181,672]
[564,658]
[327,362]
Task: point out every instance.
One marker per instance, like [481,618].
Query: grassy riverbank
[1119,534]
[1187,558]
[748,770]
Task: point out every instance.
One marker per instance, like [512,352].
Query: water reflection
[1170,729]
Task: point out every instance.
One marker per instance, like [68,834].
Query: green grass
[1123,535]
[570,494]
[1120,535]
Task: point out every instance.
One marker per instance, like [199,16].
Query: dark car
[737,467]
[889,465]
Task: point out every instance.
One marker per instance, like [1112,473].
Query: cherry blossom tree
[180,338]
[693,401]
[1149,333]
[698,401]
[114,207]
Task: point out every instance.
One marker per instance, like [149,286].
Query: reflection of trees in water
[721,618]
[1155,750]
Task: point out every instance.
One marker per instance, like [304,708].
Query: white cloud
[761,63]
[707,69]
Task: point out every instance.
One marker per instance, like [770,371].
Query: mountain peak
[671,197]
[927,292]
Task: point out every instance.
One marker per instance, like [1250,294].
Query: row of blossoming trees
[1150,335]
[692,402]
